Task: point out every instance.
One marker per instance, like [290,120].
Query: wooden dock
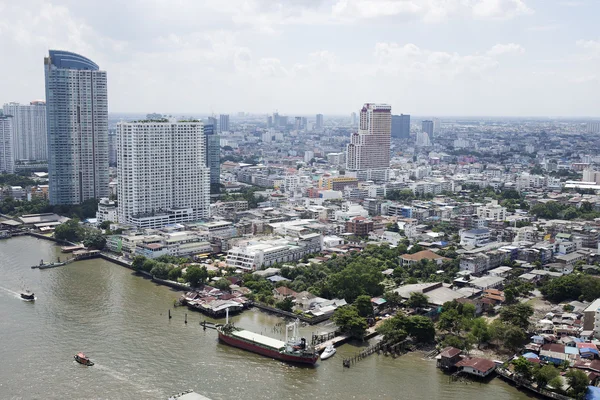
[336,341]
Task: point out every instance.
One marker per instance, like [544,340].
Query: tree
[421,329]
[105,224]
[286,304]
[392,299]
[195,275]
[523,367]
[364,306]
[161,270]
[349,321]
[356,279]
[450,321]
[174,274]
[455,341]
[70,231]
[222,284]
[514,337]
[138,262]
[517,315]
[545,374]
[94,239]
[480,331]
[417,300]
[578,381]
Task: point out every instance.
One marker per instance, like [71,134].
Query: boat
[328,352]
[27,295]
[41,265]
[292,350]
[83,359]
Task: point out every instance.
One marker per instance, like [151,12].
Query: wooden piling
[169,313]
[186,318]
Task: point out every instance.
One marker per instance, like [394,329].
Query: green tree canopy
[517,315]
[417,300]
[364,306]
[350,322]
[195,275]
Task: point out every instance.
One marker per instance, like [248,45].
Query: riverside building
[162,174]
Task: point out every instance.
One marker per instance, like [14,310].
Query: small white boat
[328,352]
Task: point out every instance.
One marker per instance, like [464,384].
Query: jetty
[70,249]
[77,256]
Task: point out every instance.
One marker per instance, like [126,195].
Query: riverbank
[121,322]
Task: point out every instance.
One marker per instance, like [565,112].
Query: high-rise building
[162,173]
[427,127]
[437,125]
[77,124]
[401,126]
[319,123]
[592,127]
[269,121]
[212,121]
[298,123]
[224,123]
[213,157]
[112,147]
[29,130]
[368,154]
[7,156]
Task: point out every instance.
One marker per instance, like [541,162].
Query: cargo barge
[293,349]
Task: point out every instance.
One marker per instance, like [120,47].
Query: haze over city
[434,57]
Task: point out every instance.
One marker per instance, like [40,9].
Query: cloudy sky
[424,57]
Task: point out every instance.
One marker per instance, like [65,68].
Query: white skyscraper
[162,174]
[368,155]
[77,126]
[29,130]
[7,156]
[593,127]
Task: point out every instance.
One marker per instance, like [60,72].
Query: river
[120,321]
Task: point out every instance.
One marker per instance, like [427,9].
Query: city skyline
[425,55]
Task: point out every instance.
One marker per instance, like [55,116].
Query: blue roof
[588,350]
[593,393]
[68,60]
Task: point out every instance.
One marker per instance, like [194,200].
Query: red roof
[450,352]
[478,364]
[284,291]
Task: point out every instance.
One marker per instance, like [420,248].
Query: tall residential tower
[162,173]
[29,130]
[77,124]
[7,156]
[224,123]
[368,154]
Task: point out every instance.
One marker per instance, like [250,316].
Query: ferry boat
[293,350]
[27,295]
[83,359]
[43,265]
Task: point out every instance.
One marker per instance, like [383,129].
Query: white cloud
[500,9]
[509,48]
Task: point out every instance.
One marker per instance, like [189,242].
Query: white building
[256,254]
[7,156]
[336,158]
[308,155]
[368,154]
[474,237]
[77,126]
[162,174]
[177,244]
[593,127]
[29,130]
[493,211]
[107,211]
[423,139]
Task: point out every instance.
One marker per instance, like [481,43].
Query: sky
[423,57]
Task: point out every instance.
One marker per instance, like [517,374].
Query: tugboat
[83,359]
[27,295]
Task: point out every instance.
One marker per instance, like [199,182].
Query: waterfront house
[448,358]
[281,292]
[476,366]
[553,353]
